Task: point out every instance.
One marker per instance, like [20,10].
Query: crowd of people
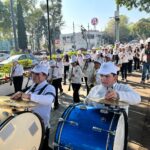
[98,69]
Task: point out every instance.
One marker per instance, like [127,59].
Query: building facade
[93,38]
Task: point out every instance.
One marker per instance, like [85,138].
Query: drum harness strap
[41,90]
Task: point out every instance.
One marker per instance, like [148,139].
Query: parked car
[4,56]
[20,57]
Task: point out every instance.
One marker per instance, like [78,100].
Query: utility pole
[117,20]
[74,42]
[14,25]
[49,39]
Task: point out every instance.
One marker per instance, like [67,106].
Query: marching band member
[130,59]
[16,75]
[97,64]
[88,70]
[108,57]
[93,54]
[75,75]
[55,80]
[80,57]
[43,94]
[110,89]
[66,66]
[100,56]
[116,53]
[136,59]
[60,66]
[45,62]
[123,56]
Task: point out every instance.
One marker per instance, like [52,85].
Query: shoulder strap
[42,89]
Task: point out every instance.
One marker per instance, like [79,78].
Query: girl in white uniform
[75,75]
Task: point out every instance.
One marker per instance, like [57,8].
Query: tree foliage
[142,5]
[5,22]
[128,31]
[22,37]
[141,29]
[123,29]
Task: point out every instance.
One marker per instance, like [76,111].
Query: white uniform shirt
[130,55]
[80,60]
[115,51]
[44,101]
[93,56]
[54,73]
[126,93]
[17,71]
[123,56]
[45,63]
[77,74]
[89,72]
[97,77]
[60,68]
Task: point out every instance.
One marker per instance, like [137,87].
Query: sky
[82,11]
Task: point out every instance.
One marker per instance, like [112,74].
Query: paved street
[139,116]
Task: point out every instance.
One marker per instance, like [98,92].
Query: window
[90,36]
[22,57]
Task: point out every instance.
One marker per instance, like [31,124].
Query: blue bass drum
[84,127]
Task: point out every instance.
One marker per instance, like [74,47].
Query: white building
[94,39]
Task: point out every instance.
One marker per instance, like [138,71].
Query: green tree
[123,29]
[142,5]
[5,22]
[55,19]
[141,29]
[22,37]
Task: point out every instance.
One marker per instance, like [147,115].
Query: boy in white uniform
[110,89]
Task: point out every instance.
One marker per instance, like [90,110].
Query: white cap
[97,61]
[109,55]
[87,56]
[52,63]
[73,59]
[107,68]
[40,69]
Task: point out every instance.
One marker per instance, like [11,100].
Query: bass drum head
[121,136]
[24,131]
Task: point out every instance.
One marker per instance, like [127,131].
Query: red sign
[94,21]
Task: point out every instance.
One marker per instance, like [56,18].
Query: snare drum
[84,127]
[22,131]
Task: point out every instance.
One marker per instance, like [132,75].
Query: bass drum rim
[22,112]
[125,120]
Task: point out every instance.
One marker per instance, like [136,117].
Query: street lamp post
[49,39]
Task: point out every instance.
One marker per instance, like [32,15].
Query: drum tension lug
[97,129]
[73,123]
